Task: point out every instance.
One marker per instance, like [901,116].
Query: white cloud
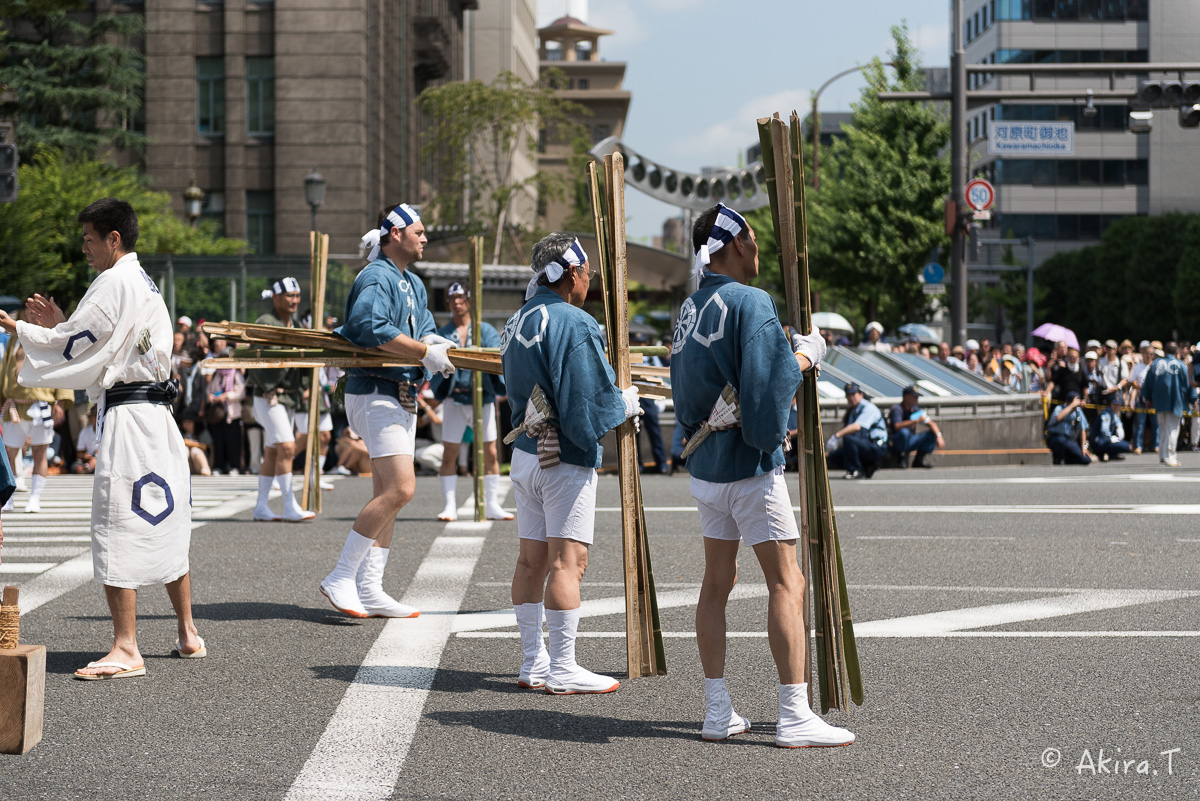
[719,143]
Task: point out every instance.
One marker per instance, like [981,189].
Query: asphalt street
[1024,632]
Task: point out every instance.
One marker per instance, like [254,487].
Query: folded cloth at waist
[147,392]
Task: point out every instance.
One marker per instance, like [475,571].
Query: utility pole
[958,180]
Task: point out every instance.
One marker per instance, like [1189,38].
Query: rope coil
[10,626]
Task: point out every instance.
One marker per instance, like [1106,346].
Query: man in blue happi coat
[386,309]
[458,410]
[552,348]
[1167,389]
[728,334]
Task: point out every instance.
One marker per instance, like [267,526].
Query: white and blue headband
[571,257]
[727,225]
[282,286]
[402,216]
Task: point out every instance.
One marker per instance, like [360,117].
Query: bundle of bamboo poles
[275,347]
[643,631]
[838,671]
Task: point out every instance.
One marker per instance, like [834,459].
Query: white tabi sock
[536,665]
[566,676]
[370,588]
[491,495]
[450,495]
[720,721]
[800,727]
[37,484]
[284,482]
[264,490]
[340,586]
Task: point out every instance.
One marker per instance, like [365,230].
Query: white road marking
[11,538]
[998,509]
[56,581]
[31,551]
[26,568]
[362,751]
[752,635]
[926,537]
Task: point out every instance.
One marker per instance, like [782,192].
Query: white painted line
[1048,509]
[25,568]
[691,635]
[30,551]
[1102,478]
[11,538]
[56,581]
[927,537]
[363,749]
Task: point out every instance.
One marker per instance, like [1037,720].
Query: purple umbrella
[1056,333]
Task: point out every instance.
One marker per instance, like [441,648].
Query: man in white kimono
[141,500]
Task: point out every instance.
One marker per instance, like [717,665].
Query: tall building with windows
[572,46]
[1066,202]
[247,96]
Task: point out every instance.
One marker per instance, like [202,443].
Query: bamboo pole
[310,495]
[476,296]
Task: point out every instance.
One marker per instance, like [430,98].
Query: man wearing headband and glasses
[728,334]
[564,399]
[457,410]
[387,309]
[277,394]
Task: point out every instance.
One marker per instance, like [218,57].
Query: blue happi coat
[385,302]
[729,333]
[458,386]
[1166,386]
[554,345]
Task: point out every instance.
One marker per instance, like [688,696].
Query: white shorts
[557,502]
[458,417]
[324,422]
[15,434]
[384,425]
[276,420]
[755,510]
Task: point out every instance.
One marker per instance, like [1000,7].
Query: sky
[702,71]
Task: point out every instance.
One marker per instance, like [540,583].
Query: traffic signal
[9,161]
[1169,94]
[1189,115]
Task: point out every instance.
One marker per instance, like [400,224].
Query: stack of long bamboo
[838,671]
[643,631]
[275,347]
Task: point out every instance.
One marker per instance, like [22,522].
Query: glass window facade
[260,96]
[1072,10]
[260,222]
[1054,226]
[210,95]
[1107,117]
[1071,56]
[1071,172]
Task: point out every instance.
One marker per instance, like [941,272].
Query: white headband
[572,257]
[727,225]
[281,286]
[402,216]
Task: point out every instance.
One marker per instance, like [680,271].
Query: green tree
[476,135]
[879,211]
[1187,282]
[76,85]
[41,240]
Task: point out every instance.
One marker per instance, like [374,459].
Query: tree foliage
[478,132]
[40,237]
[1142,281]
[879,211]
[76,86]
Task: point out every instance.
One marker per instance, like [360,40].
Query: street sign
[1031,138]
[933,273]
[980,195]
[934,289]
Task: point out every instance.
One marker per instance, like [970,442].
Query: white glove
[811,347]
[632,407]
[436,359]
[833,444]
[438,339]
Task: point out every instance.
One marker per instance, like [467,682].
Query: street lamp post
[314,192]
[816,120]
[193,200]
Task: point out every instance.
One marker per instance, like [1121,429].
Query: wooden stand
[22,692]
[310,494]
[476,279]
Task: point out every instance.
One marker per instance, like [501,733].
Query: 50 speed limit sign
[980,195]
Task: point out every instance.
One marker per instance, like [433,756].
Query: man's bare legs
[180,593]
[554,567]
[720,576]
[491,478]
[394,482]
[122,603]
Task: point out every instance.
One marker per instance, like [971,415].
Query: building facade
[248,96]
[572,46]
[1067,202]
[501,36]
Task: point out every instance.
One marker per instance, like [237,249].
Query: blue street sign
[933,273]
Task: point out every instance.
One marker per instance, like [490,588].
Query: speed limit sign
[980,195]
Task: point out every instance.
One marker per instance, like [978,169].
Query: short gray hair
[549,249]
